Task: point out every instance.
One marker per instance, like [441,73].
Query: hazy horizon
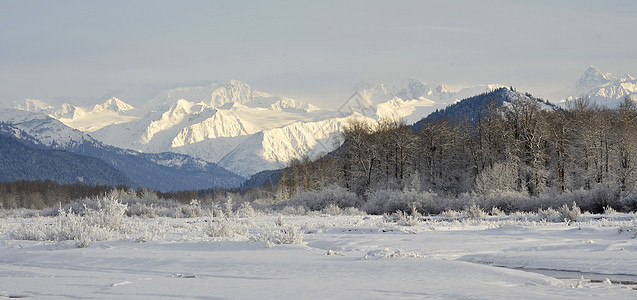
[86,52]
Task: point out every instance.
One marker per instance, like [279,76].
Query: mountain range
[241,129]
[23,158]
[604,88]
[231,126]
[46,137]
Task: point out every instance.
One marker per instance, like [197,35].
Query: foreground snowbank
[336,257]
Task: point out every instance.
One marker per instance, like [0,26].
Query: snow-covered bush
[142,210]
[499,178]
[99,220]
[246,211]
[319,200]
[549,215]
[191,210]
[628,200]
[390,201]
[452,214]
[601,196]
[353,211]
[506,201]
[332,210]
[19,213]
[608,210]
[225,228]
[474,211]
[287,235]
[36,230]
[228,210]
[402,219]
[216,210]
[95,224]
[570,214]
[497,212]
[297,210]
[146,231]
[109,213]
[280,221]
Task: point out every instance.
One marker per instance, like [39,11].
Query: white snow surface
[341,257]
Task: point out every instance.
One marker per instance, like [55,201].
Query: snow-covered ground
[340,257]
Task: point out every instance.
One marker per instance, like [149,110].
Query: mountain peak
[33,105]
[414,89]
[114,105]
[603,88]
[591,78]
[627,77]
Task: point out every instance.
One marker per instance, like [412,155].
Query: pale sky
[87,51]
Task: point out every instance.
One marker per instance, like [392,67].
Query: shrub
[319,200]
[452,214]
[601,196]
[332,210]
[225,228]
[228,209]
[191,210]
[99,219]
[288,235]
[402,219]
[608,210]
[144,211]
[390,201]
[297,210]
[497,212]
[506,201]
[246,211]
[280,221]
[36,230]
[571,214]
[628,200]
[549,215]
[147,231]
[474,211]
[353,211]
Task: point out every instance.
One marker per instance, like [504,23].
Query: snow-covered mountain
[412,100]
[232,92]
[221,120]
[25,158]
[471,108]
[604,88]
[245,130]
[45,129]
[158,171]
[87,119]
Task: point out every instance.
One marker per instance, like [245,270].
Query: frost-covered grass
[97,248]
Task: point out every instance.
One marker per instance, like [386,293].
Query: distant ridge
[21,158]
[470,108]
[158,171]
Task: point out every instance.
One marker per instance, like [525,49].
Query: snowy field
[321,256]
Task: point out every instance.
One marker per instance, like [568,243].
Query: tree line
[523,146]
[39,194]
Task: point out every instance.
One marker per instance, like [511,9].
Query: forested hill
[470,108]
[23,159]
